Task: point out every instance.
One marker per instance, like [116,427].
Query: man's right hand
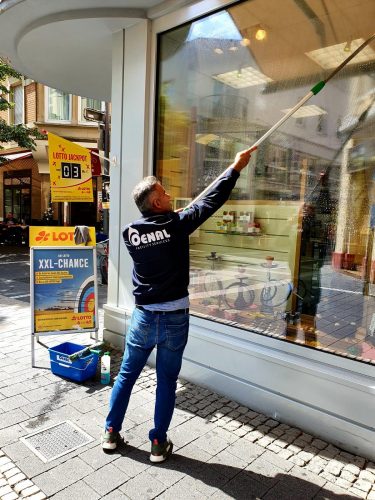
[242,159]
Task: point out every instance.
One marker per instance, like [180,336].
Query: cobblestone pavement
[222,450]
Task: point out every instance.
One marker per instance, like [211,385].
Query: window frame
[12,99]
[81,120]
[46,106]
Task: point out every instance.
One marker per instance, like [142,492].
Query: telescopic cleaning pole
[315,90]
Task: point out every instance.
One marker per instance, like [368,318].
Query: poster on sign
[63,289]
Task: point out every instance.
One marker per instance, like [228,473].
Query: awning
[15,156]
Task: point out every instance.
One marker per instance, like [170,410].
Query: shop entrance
[17,195]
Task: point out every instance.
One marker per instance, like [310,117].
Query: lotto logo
[42,236]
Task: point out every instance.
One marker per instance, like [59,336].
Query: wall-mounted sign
[70,170]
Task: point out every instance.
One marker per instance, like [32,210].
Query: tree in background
[20,134]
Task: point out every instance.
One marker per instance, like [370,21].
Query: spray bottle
[105,368]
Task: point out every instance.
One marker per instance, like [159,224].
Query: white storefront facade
[292,339]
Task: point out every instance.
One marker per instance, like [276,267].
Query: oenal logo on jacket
[153,237]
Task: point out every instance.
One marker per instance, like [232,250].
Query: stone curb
[14,484]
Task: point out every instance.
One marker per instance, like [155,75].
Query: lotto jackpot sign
[70,170]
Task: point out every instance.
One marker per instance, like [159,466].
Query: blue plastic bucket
[79,370]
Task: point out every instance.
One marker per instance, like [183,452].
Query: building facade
[282,297]
[25,179]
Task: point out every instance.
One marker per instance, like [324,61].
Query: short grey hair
[141,193]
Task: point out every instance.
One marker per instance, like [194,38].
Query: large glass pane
[58,105]
[291,254]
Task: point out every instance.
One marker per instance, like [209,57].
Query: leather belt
[176,311]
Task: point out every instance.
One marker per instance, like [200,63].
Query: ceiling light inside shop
[206,138]
[260,33]
[306,111]
[330,57]
[244,77]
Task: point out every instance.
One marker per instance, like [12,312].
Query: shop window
[59,105]
[290,254]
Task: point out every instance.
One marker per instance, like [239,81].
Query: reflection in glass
[291,254]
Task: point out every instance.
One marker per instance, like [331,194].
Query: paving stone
[348,476]
[299,484]
[241,431]
[330,491]
[38,496]
[32,490]
[5,490]
[265,441]
[16,479]
[330,451]
[294,449]
[254,436]
[315,468]
[180,491]
[227,464]
[370,467]
[18,488]
[11,472]
[362,485]
[142,487]
[343,483]
[7,466]
[278,461]
[358,493]
[10,496]
[62,476]
[211,444]
[272,447]
[285,454]
[244,450]
[354,469]
[297,461]
[305,456]
[328,476]
[245,486]
[168,475]
[13,402]
[334,467]
[96,458]
[106,479]
[132,464]
[367,476]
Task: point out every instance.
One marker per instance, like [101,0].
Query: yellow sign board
[58,321]
[53,236]
[70,170]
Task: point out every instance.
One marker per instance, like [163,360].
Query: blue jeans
[169,333]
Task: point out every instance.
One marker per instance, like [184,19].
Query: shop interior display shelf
[233,233]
